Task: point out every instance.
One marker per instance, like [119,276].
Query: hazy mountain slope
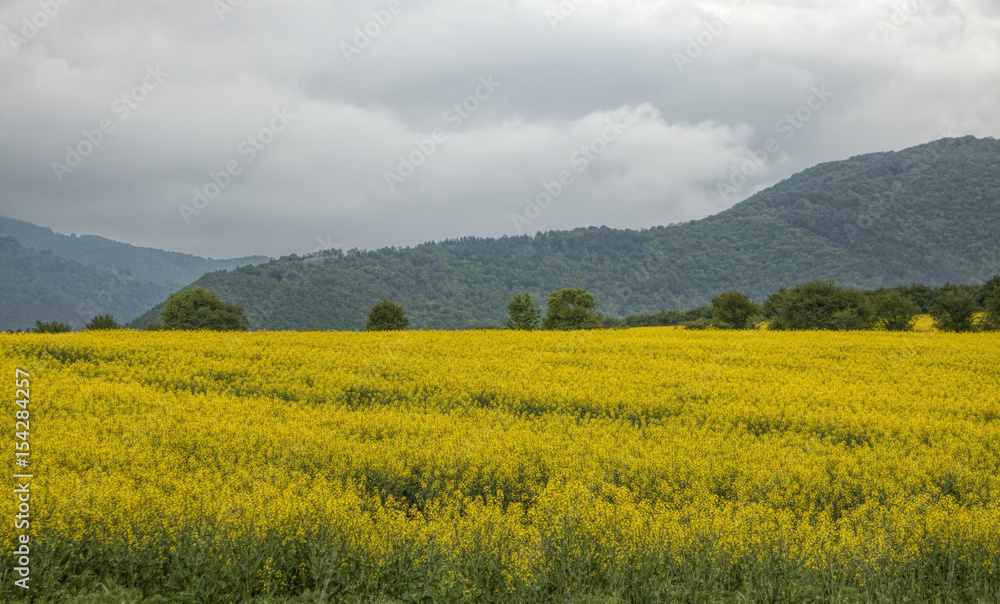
[40,286]
[929,214]
[143,263]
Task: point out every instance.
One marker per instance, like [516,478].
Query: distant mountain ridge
[144,263]
[928,214]
[46,276]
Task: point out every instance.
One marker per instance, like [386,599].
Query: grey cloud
[324,177]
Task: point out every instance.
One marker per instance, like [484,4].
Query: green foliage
[52,327]
[201,309]
[102,322]
[663,318]
[893,311]
[386,315]
[733,310]
[522,313]
[818,305]
[849,319]
[572,308]
[955,310]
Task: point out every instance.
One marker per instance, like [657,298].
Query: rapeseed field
[639,465]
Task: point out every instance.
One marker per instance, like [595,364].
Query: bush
[818,305]
[733,310]
[52,327]
[102,322]
[386,315]
[200,309]
[572,308]
[893,311]
[698,324]
[955,310]
[848,319]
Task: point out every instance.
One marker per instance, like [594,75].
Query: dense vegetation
[928,215]
[102,323]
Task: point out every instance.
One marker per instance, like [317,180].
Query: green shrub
[52,327]
[386,315]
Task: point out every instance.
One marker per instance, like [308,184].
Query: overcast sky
[273,127]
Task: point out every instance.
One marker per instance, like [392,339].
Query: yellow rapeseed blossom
[503,461]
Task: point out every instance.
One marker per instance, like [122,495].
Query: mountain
[144,263]
[40,286]
[45,276]
[928,214]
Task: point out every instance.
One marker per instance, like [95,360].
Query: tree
[954,310]
[52,327]
[200,309]
[818,305]
[893,311]
[521,312]
[386,315]
[733,310]
[571,308]
[102,322]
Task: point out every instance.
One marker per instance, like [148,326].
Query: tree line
[816,305]
[826,305]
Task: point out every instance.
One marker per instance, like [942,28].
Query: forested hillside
[928,214]
[40,286]
[47,276]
